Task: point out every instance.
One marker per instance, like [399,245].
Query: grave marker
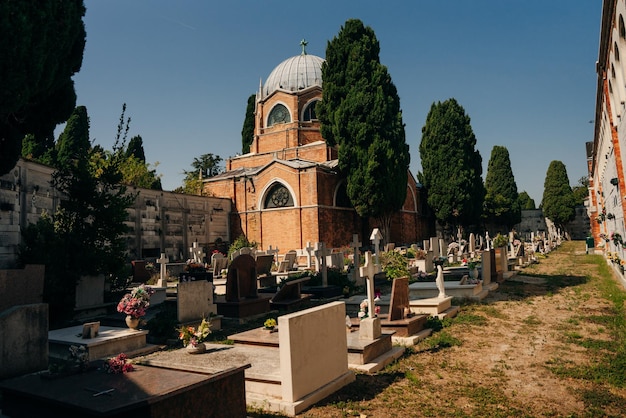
[162,282]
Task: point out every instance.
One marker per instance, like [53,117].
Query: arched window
[279,114]
[278,196]
[622,29]
[616,51]
[341,196]
[309,111]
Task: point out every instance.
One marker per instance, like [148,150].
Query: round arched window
[279,114]
[278,196]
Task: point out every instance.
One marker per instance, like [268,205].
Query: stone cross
[197,253]
[375,238]
[162,282]
[320,260]
[309,252]
[272,251]
[356,244]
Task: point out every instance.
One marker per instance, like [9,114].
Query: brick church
[286,191]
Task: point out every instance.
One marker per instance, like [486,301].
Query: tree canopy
[452,167]
[41,47]
[360,113]
[558,200]
[84,236]
[526,202]
[501,205]
[207,165]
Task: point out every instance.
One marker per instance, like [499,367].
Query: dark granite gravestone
[264,265]
[399,318]
[290,294]
[242,298]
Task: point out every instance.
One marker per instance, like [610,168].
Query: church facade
[287,192]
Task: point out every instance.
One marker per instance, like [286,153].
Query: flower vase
[474,273]
[132,322]
[196,349]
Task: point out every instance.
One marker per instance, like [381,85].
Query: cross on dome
[303,44]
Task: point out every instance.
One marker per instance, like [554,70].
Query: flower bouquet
[136,302]
[193,337]
[270,323]
[118,365]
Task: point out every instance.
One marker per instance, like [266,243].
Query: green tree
[452,167]
[501,200]
[525,201]
[558,199]
[360,113]
[581,191]
[135,148]
[208,165]
[74,142]
[41,47]
[247,132]
[84,236]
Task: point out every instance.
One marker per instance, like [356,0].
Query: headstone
[399,298]
[197,253]
[376,237]
[264,265]
[426,244]
[369,269]
[370,328]
[320,261]
[162,282]
[472,244]
[309,253]
[195,301]
[434,247]
[219,263]
[241,279]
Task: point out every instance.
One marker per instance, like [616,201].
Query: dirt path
[501,357]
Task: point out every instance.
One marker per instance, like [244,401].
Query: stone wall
[158,221]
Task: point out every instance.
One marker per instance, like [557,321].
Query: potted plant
[134,304]
[193,338]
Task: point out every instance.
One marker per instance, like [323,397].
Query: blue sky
[524,71]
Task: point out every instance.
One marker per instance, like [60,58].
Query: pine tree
[360,113]
[452,167]
[501,199]
[247,132]
[558,199]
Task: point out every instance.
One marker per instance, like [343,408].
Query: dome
[294,74]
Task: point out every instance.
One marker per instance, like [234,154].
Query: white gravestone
[376,237]
[320,260]
[162,282]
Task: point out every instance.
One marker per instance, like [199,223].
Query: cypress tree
[247,131]
[135,148]
[74,142]
[501,199]
[452,167]
[360,113]
[558,199]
